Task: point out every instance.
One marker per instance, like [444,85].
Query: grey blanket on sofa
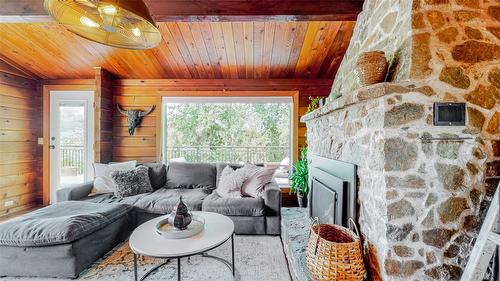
[60,223]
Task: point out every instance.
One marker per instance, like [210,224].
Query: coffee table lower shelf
[204,254]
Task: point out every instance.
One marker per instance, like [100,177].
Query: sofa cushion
[163,200]
[157,174]
[60,223]
[246,206]
[191,175]
[111,198]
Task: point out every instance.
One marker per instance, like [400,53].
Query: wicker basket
[371,68]
[328,261]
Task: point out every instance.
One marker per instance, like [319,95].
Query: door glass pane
[72,142]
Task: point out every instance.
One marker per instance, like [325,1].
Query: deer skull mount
[134,117]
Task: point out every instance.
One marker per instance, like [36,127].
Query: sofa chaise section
[61,240]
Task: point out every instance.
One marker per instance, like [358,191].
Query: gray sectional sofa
[63,239]
[195,182]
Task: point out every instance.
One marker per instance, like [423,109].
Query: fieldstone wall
[463,48]
[421,202]
[383,25]
[421,37]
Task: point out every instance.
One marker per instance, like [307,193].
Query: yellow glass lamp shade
[124,24]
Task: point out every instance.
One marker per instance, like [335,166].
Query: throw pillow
[230,182]
[258,178]
[132,182]
[157,174]
[102,173]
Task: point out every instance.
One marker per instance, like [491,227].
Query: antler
[142,114]
[124,112]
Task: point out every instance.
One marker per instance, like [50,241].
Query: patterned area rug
[257,258]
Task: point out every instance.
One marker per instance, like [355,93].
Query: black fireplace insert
[333,190]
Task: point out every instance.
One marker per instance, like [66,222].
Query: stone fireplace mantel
[420,201]
[364,94]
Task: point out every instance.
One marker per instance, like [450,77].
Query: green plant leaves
[300,174]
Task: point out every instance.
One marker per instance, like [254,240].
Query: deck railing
[73,156]
[231,154]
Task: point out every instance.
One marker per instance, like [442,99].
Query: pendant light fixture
[123,24]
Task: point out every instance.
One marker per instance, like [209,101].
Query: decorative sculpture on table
[134,117]
[180,223]
[180,216]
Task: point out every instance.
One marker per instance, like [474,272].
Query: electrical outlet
[9,203]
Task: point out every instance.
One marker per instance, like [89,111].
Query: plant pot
[302,199]
[371,68]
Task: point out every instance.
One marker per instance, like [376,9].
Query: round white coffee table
[146,241]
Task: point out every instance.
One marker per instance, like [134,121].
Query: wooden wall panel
[103,116]
[142,145]
[140,94]
[21,156]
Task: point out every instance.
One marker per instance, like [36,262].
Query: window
[228,129]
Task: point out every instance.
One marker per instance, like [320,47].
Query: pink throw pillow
[258,178]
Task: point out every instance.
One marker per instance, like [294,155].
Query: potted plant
[300,178]
[315,103]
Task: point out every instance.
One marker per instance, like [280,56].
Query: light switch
[40,140]
[9,203]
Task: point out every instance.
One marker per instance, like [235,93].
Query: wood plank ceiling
[242,50]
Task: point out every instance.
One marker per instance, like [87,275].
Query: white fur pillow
[102,172]
[230,182]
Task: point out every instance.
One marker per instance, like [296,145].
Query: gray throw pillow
[133,182]
[157,174]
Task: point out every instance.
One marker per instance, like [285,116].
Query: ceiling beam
[254,10]
[20,11]
[210,10]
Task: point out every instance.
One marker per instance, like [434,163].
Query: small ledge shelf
[363,94]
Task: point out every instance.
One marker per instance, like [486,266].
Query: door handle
[52,146]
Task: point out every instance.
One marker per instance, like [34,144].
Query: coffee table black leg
[135,267]
[178,269]
[232,252]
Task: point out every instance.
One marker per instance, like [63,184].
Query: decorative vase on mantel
[371,68]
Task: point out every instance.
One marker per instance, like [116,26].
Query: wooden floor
[19,213]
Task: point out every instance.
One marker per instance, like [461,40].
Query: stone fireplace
[423,189]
